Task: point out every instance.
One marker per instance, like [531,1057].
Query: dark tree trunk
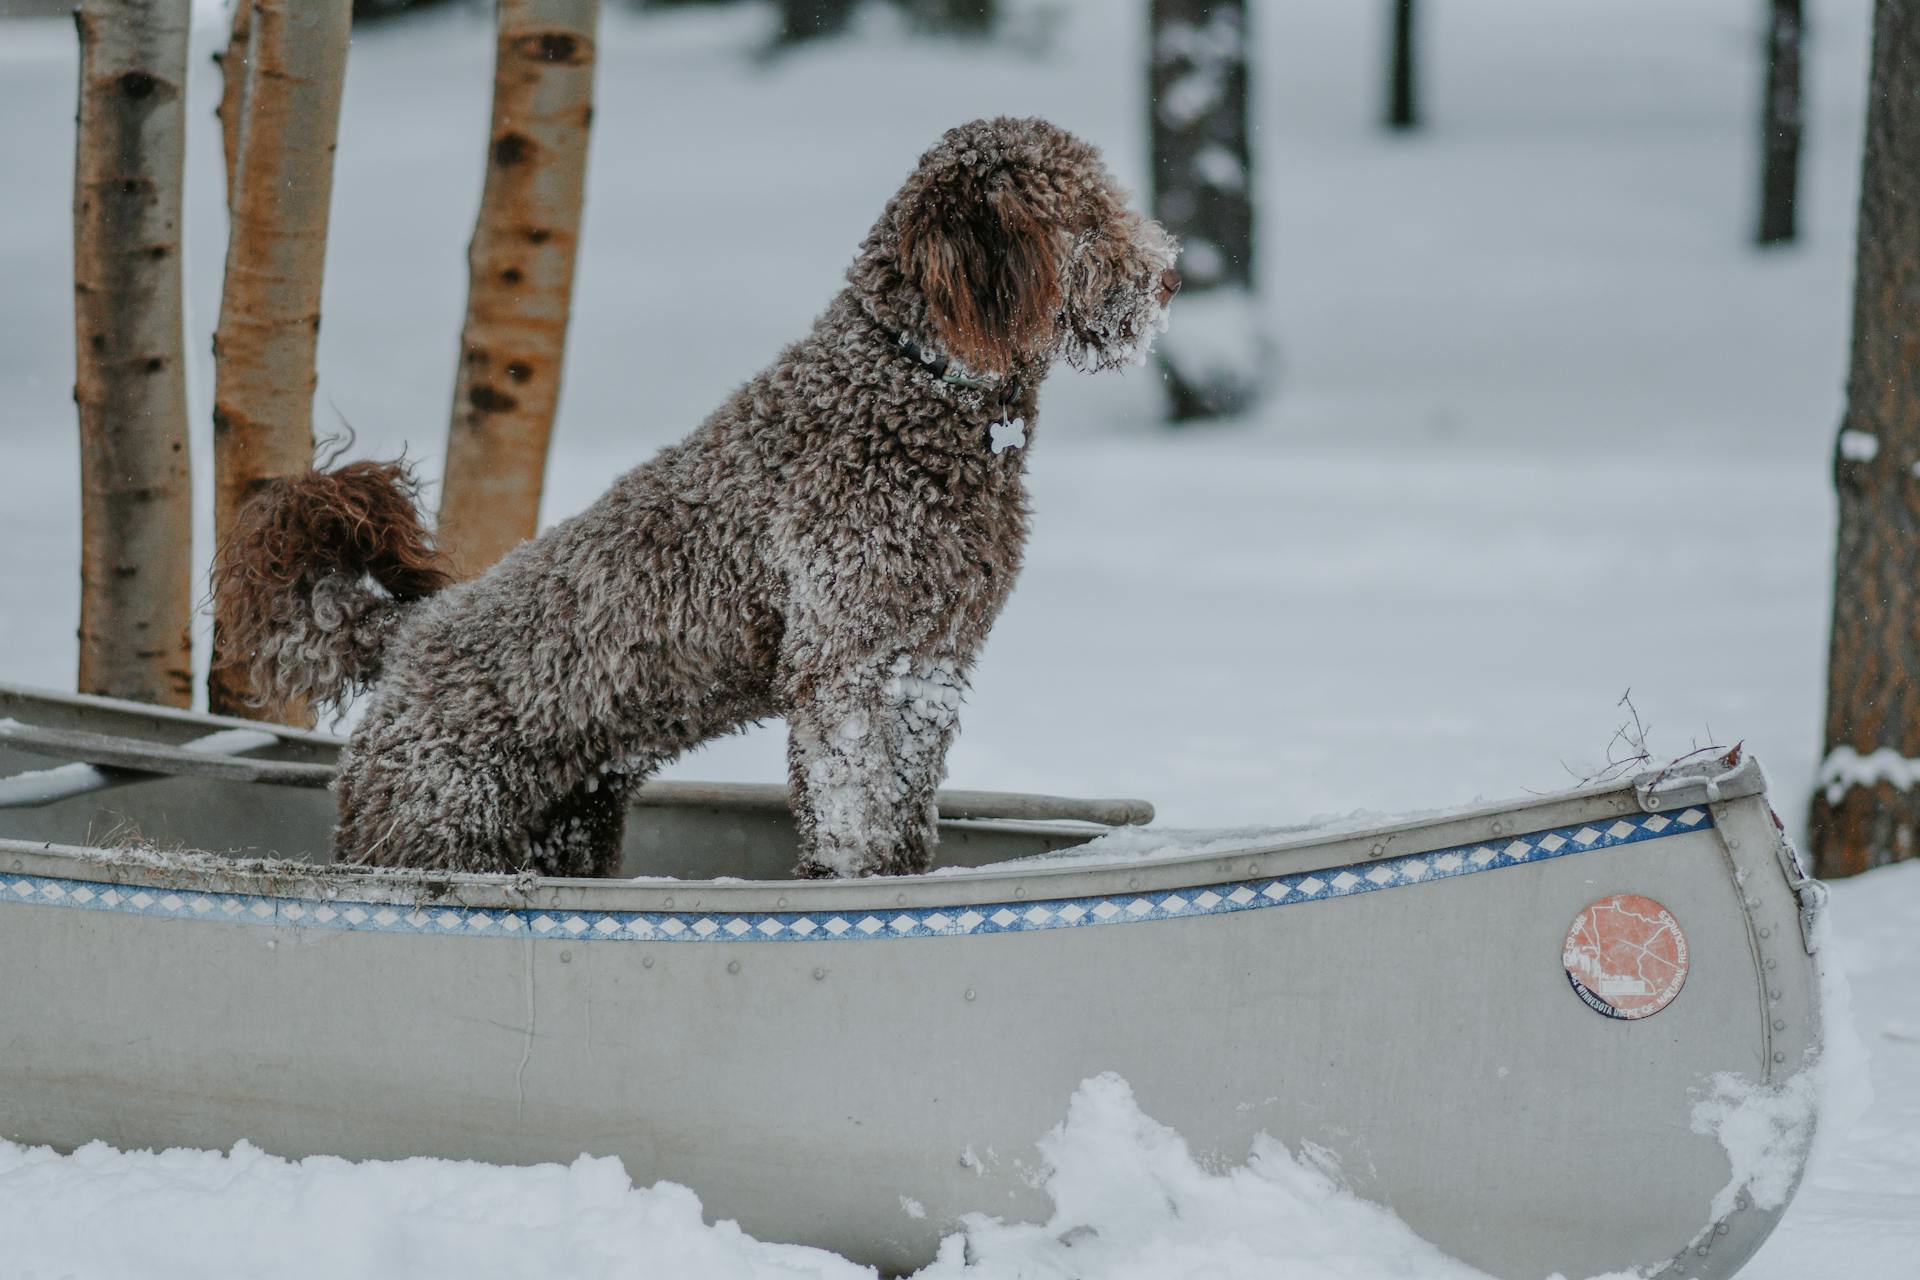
[954,17]
[1780,124]
[1403,109]
[1203,192]
[1867,809]
[136,489]
[802,20]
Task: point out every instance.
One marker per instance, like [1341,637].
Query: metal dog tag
[1009,434]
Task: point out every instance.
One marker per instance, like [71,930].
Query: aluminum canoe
[1418,999]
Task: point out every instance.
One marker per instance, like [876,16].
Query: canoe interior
[748,841]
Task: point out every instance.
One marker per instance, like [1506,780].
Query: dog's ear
[986,259]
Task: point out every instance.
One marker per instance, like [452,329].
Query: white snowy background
[1544,428]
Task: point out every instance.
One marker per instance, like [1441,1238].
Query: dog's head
[1012,244]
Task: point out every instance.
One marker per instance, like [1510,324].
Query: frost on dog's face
[1121,282]
[1011,244]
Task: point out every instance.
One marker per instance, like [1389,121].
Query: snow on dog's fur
[831,545]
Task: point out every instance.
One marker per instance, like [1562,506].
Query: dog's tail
[318,569]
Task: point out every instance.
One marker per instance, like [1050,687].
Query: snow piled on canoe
[1767,1129]
[1129,1201]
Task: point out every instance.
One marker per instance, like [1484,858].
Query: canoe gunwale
[1495,838]
[256,754]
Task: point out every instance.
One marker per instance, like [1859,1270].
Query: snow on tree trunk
[1403,109]
[1214,353]
[1867,808]
[521,279]
[233,88]
[276,251]
[1780,125]
[136,489]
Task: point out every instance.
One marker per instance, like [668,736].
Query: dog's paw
[810,870]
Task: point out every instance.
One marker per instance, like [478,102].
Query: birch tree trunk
[136,488]
[521,280]
[1780,125]
[1203,192]
[276,251]
[1403,108]
[1867,809]
[233,89]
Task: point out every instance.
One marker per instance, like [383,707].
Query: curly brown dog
[831,546]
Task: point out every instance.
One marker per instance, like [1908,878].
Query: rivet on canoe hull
[733,966]
[1766,933]
[818,973]
[566,957]
[1779,1024]
[1774,994]
[969,993]
[646,962]
[1779,1057]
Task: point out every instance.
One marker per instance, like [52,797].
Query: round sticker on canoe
[1626,956]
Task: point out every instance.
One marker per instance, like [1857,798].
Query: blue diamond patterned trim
[828,926]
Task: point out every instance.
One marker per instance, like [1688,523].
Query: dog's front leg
[866,753]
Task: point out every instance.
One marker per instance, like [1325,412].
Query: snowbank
[201,1215]
[1129,1202]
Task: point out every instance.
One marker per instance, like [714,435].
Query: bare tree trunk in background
[802,20]
[276,251]
[1781,122]
[954,17]
[1403,109]
[136,488]
[521,280]
[1867,809]
[1203,193]
[233,89]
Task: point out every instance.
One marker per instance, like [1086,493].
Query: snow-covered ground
[1544,428]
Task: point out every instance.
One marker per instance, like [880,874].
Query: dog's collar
[1007,432]
[945,367]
